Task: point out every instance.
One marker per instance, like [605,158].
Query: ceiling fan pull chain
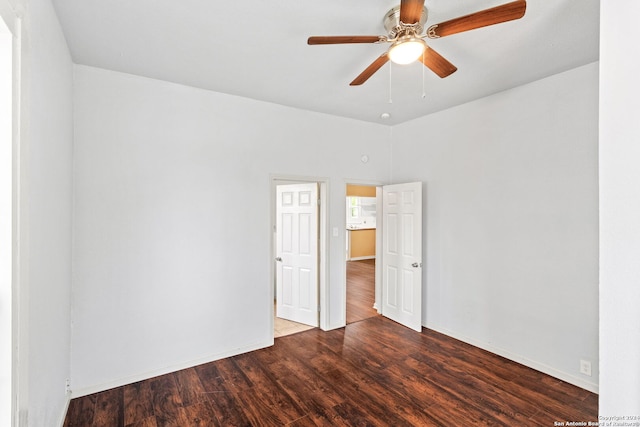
[390,98]
[424,94]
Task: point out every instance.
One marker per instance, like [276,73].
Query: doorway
[299,245]
[361,251]
[398,255]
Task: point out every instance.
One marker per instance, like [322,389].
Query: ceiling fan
[404,24]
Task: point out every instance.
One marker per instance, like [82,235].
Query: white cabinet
[361,212]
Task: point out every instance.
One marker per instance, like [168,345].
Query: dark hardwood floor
[371,373]
[360,290]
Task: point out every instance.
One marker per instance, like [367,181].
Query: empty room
[179,180]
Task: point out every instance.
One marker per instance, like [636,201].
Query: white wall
[171,226]
[46,126]
[619,210]
[511,227]
[6,214]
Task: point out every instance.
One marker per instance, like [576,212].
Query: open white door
[297,253]
[402,254]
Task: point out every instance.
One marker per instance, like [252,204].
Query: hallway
[360,290]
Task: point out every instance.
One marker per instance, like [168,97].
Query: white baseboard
[360,258]
[333,326]
[571,379]
[166,370]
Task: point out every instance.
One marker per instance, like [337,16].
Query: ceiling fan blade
[343,39]
[437,63]
[370,70]
[411,11]
[483,18]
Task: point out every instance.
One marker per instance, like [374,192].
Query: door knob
[278,259]
[416,265]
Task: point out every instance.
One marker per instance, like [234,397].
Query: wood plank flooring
[371,373]
[360,290]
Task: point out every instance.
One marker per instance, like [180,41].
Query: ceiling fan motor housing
[396,28]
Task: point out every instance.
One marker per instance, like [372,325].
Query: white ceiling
[257,49]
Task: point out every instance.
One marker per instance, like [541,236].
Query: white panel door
[402,254]
[297,253]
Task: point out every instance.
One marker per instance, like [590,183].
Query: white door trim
[12,16]
[323,254]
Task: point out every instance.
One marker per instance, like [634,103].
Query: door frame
[378,271]
[323,239]
[19,307]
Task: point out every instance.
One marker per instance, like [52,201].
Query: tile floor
[284,327]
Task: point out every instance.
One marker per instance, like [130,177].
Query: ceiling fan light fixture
[407,50]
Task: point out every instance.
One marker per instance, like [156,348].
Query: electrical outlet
[585,367]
